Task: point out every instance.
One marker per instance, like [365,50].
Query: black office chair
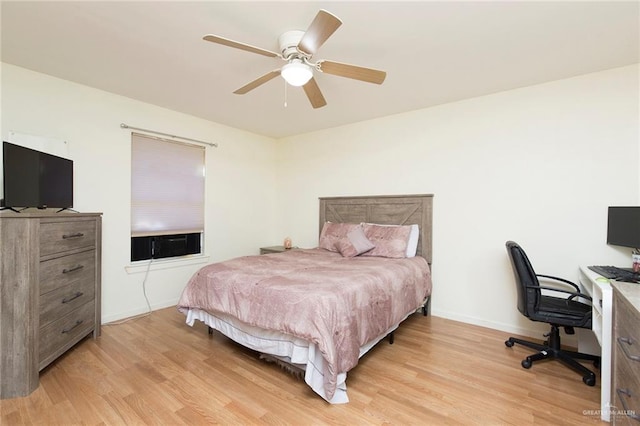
[564,312]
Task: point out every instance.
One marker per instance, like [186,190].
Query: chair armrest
[574,285]
[577,293]
[573,294]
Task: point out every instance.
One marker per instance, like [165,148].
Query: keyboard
[615,273]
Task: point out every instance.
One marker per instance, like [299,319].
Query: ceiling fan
[297,49]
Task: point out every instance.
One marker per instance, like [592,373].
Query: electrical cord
[144,292]
[144,287]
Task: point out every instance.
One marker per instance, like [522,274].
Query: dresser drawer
[627,389]
[67,270]
[58,237]
[627,324]
[59,302]
[63,333]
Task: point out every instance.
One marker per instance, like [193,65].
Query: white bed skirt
[302,354]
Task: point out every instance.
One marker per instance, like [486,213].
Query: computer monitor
[623,227]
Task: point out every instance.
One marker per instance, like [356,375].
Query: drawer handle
[74,268]
[76,235]
[67,330]
[75,296]
[628,342]
[629,413]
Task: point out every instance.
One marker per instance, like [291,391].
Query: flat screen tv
[36,179]
[623,228]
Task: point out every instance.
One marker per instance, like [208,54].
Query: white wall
[240,186]
[538,165]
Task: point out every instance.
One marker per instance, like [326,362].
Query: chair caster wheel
[589,380]
[526,363]
[508,343]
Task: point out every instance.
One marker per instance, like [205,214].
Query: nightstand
[275,249]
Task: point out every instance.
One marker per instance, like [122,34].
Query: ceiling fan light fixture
[296,73]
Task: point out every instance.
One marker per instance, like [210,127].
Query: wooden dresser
[625,392]
[50,269]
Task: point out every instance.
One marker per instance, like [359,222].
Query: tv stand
[10,208]
[67,209]
[39,208]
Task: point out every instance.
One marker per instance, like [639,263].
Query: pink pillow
[354,243]
[389,241]
[332,232]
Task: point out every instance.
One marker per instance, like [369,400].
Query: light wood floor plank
[157,370]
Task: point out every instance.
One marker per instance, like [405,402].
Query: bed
[319,310]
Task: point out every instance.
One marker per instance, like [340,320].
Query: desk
[601,323]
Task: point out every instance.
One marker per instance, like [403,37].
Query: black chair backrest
[526,281]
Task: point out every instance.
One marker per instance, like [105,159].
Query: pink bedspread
[337,303]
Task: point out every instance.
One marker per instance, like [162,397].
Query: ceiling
[433,52]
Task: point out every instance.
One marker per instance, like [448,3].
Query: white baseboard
[536,330]
[136,312]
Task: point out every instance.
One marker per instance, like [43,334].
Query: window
[167,197]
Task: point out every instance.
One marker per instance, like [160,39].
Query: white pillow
[414,237]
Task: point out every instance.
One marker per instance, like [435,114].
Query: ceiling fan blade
[257,82]
[323,25]
[351,71]
[314,94]
[242,46]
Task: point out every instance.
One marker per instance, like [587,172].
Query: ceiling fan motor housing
[289,43]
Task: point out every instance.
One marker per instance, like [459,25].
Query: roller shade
[167,187]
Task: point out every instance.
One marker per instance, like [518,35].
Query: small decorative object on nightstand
[275,249]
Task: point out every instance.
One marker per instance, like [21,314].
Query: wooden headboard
[386,210]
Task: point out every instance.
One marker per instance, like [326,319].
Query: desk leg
[607,331]
[598,340]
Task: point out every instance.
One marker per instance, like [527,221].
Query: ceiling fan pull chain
[285,94]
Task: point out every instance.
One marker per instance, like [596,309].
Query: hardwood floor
[157,370]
